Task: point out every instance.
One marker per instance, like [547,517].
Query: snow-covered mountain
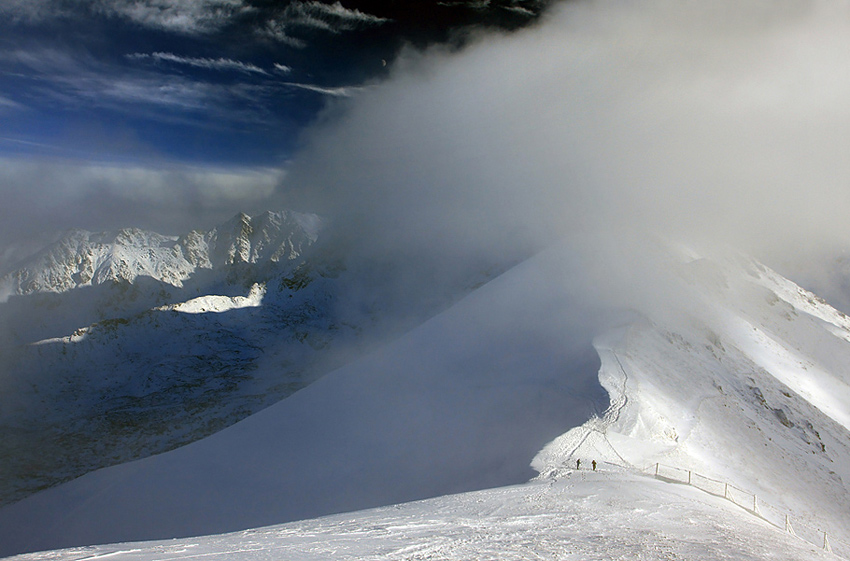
[741,376]
[121,345]
[109,353]
[82,258]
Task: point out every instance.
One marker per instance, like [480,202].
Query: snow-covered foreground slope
[723,368]
[582,517]
[462,402]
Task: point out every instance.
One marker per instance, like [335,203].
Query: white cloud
[31,10]
[210,63]
[277,29]
[6,104]
[44,61]
[328,17]
[161,196]
[184,16]
[475,5]
[342,91]
[282,68]
[719,121]
[73,81]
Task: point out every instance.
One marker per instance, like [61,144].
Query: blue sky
[201,81]
[167,114]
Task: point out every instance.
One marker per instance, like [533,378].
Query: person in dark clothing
[578,464]
[593,463]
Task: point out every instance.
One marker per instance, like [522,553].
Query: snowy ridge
[749,386]
[84,258]
[690,389]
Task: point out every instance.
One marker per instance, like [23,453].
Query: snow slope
[582,517]
[435,412]
[731,371]
[750,383]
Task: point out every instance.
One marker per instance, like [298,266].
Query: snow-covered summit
[82,258]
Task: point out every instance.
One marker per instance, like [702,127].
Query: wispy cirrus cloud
[182,16]
[187,16]
[341,91]
[6,104]
[59,79]
[333,18]
[208,63]
[32,10]
[278,30]
[71,79]
[329,17]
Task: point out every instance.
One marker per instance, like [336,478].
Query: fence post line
[789,528]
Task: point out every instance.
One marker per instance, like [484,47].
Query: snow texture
[583,517]
[433,413]
[742,378]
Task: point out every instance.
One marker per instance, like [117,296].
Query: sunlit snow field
[607,515]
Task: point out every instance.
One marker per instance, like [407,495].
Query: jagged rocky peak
[82,258]
[270,236]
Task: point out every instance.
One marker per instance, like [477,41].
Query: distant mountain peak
[83,258]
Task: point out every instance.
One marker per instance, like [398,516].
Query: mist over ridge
[515,235]
[714,124]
